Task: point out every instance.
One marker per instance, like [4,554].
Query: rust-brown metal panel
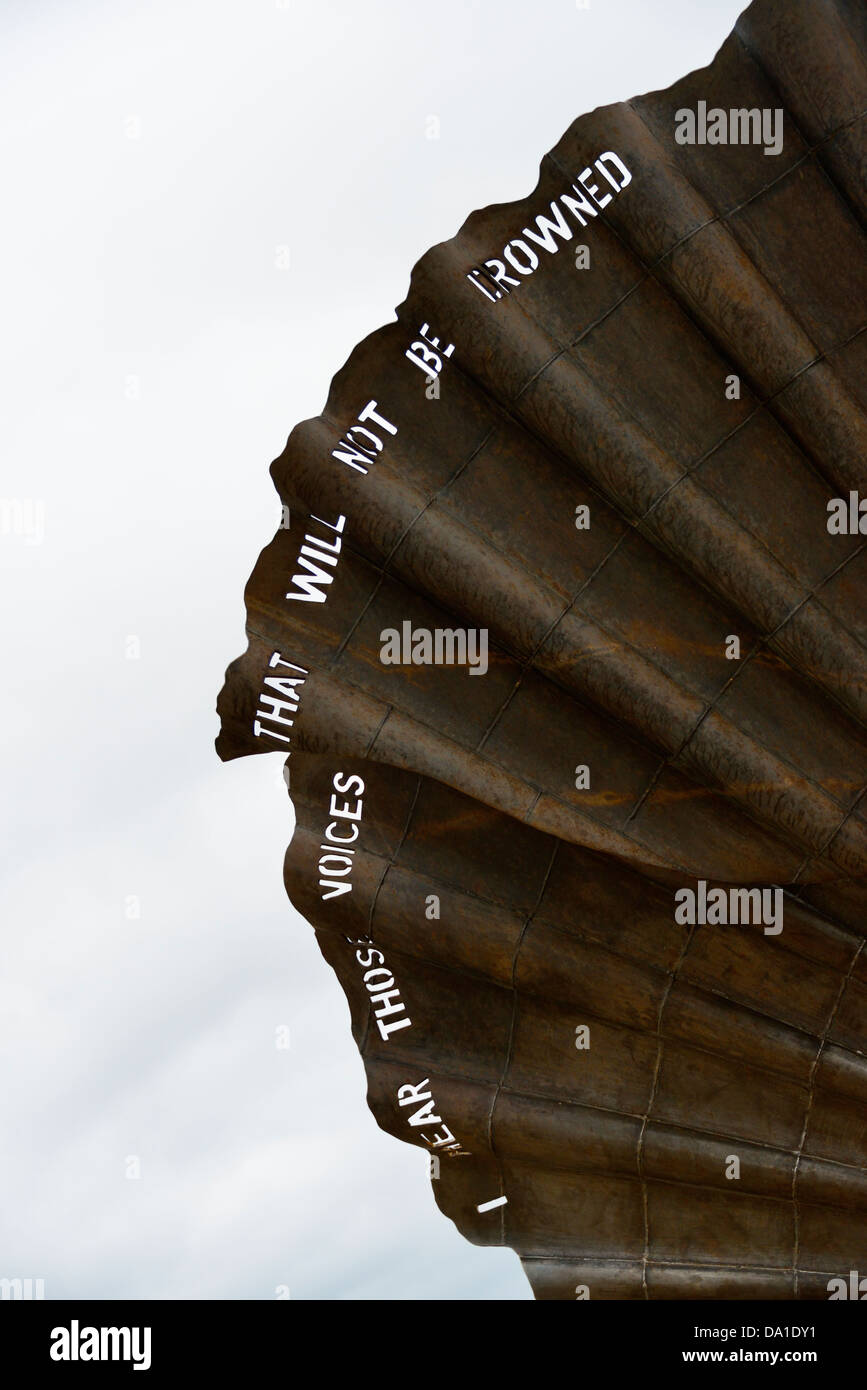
[532,1002]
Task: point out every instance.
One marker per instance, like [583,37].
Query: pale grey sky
[155,356]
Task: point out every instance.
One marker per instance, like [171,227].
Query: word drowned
[282,705]
[584,200]
[730,907]
[336,863]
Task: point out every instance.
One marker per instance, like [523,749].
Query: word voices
[442,646]
[336,863]
[730,907]
[76,1343]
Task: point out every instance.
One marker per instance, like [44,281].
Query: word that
[494,280]
[286,686]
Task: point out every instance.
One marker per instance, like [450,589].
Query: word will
[317,551]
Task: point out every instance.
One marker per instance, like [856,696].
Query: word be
[422,354]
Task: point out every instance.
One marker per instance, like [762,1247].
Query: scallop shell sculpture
[566,640]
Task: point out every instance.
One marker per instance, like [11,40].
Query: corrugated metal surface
[606,387]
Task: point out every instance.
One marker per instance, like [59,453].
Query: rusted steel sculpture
[566,642]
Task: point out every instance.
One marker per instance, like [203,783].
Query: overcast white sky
[155,356]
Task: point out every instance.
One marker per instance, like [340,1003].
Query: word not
[325,552]
[730,907]
[335,866]
[417,1095]
[444,646]
[356,455]
[847,518]
[382,992]
[288,687]
[520,255]
[857,1288]
[102,1344]
[736,127]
